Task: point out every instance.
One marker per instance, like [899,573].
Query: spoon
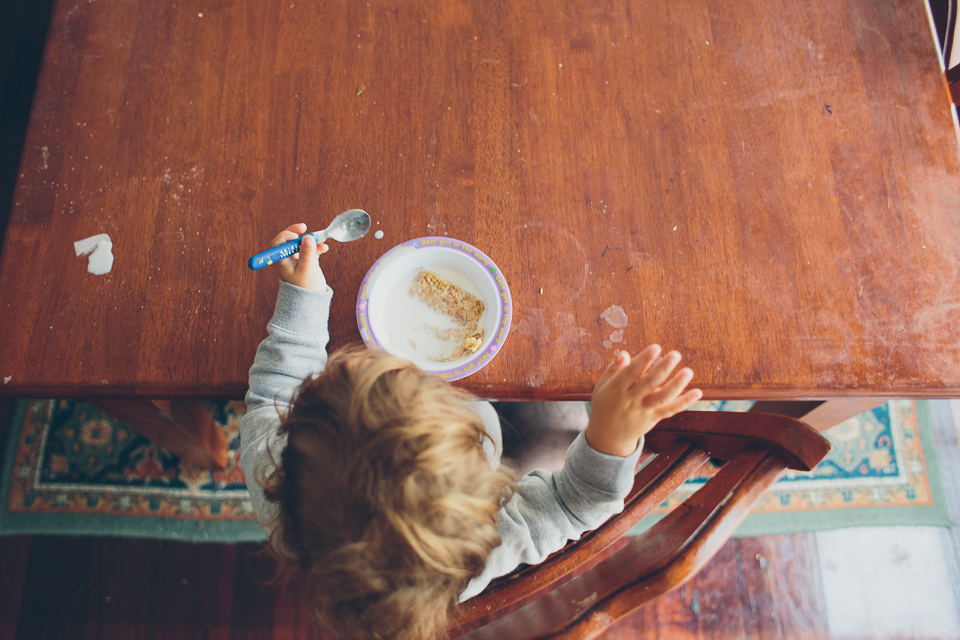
[346,227]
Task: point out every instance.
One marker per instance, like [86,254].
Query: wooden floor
[121,588]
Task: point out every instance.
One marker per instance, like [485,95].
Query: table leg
[819,414]
[183,427]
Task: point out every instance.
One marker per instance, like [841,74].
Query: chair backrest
[593,582]
[944,15]
[951,52]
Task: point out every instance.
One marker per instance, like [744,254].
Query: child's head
[387,501]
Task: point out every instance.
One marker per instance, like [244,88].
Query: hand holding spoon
[346,227]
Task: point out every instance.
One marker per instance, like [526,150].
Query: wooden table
[771,188]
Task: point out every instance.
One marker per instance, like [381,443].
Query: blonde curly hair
[387,501]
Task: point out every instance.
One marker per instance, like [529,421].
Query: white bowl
[392,320]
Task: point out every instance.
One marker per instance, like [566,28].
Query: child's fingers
[681,403]
[670,390]
[625,377]
[316,248]
[622,360]
[283,236]
[650,366]
[308,253]
[292,232]
[656,376]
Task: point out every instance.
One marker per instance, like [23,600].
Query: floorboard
[13,568]
[783,588]
[93,588]
[765,587]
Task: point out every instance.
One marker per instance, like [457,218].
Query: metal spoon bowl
[346,227]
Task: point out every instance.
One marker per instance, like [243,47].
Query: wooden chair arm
[725,434]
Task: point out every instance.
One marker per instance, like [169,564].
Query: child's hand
[631,397]
[302,268]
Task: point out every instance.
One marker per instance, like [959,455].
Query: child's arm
[295,348]
[296,345]
[548,509]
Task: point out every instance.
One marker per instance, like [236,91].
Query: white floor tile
[885,582]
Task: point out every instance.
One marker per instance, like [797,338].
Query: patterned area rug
[882,470]
[70,469]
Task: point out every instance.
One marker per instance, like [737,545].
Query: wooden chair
[590,584]
[944,14]
[949,53]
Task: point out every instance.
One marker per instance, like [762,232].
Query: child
[384,484]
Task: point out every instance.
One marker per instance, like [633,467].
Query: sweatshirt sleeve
[549,509]
[294,349]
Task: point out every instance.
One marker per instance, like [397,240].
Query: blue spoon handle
[276,254]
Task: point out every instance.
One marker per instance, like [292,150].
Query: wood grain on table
[771,188]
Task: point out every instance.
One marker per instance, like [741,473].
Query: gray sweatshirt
[546,510]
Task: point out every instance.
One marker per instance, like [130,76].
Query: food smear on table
[100,251]
[435,315]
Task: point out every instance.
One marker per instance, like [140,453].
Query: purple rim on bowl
[505,303]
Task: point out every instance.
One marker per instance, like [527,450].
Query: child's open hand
[633,396]
[303,268]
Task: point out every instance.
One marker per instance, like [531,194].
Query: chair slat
[593,597]
[725,434]
[683,563]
